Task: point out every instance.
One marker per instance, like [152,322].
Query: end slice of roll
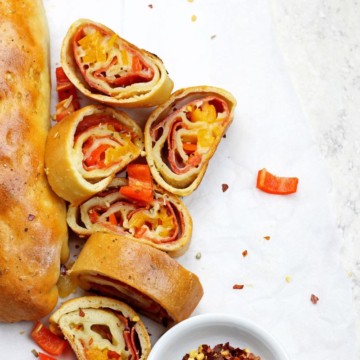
[146,278]
[109,69]
[101,328]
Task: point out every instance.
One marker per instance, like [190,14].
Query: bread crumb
[193,18]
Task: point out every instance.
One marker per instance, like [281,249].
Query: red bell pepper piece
[97,156]
[43,356]
[273,184]
[47,340]
[65,90]
[189,148]
[140,185]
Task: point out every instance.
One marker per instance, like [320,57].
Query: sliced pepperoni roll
[182,135]
[109,69]
[149,280]
[101,328]
[164,223]
[87,148]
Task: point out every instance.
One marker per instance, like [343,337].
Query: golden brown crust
[169,123]
[139,95]
[148,270]
[33,228]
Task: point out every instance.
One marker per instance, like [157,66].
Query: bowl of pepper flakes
[220,336]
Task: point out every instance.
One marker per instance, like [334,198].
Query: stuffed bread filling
[105,145]
[108,63]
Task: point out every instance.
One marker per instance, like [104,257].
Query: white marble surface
[320,41]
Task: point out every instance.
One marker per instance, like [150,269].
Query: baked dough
[182,135]
[101,328]
[33,229]
[165,223]
[146,278]
[87,148]
[109,69]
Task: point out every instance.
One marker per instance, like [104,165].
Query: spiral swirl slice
[101,328]
[165,223]
[87,148]
[182,135]
[109,69]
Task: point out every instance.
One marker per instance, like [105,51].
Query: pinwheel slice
[87,148]
[146,278]
[165,223]
[109,69]
[101,328]
[182,135]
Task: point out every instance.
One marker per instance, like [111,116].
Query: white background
[233,44]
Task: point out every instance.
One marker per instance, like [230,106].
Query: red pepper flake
[245,253]
[238,286]
[314,299]
[224,187]
[267,237]
[81,312]
[31,217]
[63,270]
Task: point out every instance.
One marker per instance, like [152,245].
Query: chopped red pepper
[273,184]
[189,148]
[140,185]
[43,356]
[47,340]
[112,219]
[137,193]
[65,90]
[97,156]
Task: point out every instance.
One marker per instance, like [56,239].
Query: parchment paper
[231,44]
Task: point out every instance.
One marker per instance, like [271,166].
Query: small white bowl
[213,329]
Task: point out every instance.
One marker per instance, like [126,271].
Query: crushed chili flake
[81,313]
[314,299]
[35,353]
[63,269]
[31,217]
[224,187]
[267,237]
[238,286]
[245,253]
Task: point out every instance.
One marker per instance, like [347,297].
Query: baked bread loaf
[182,135]
[101,328]
[33,227]
[87,148]
[165,223]
[146,278]
[109,69]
